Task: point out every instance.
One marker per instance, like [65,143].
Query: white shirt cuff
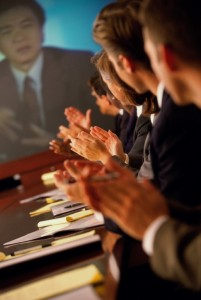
[126,159]
[150,233]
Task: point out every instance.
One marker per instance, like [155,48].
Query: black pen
[74,205]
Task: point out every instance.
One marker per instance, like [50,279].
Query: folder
[80,225]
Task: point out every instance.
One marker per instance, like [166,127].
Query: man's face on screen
[21,37]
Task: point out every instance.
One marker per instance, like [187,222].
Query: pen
[105,177]
[74,205]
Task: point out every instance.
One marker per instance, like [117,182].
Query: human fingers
[104,202]
[113,135]
[102,137]
[86,136]
[71,168]
[99,130]
[79,127]
[88,117]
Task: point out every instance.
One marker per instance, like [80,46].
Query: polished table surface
[15,221]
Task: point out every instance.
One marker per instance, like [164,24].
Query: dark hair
[176,24]
[36,8]
[97,84]
[104,65]
[113,100]
[150,105]
[117,30]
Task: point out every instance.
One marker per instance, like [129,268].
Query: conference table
[15,221]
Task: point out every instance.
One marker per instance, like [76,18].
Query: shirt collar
[121,111]
[139,110]
[35,73]
[159,93]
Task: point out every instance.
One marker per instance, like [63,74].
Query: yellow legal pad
[48,178]
[57,284]
[45,209]
[79,215]
[65,220]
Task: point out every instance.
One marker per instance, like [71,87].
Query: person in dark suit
[127,59]
[125,122]
[174,146]
[58,79]
[173,245]
[172,130]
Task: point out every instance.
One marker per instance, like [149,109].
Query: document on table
[65,220]
[82,224]
[58,246]
[54,194]
[46,208]
[68,207]
[57,284]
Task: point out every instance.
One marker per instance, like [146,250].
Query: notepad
[79,215]
[57,284]
[46,208]
[67,219]
[58,242]
[48,178]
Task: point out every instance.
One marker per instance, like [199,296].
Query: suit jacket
[130,128]
[146,170]
[64,83]
[142,128]
[125,126]
[180,259]
[175,152]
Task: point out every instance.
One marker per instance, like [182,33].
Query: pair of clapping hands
[92,143]
[67,180]
[77,122]
[115,192]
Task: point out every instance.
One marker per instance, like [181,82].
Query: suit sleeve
[177,254]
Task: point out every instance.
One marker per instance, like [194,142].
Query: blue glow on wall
[69,22]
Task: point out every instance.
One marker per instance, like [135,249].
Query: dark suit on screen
[64,83]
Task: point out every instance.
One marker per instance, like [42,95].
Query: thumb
[88,116]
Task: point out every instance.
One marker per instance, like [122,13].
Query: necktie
[30,104]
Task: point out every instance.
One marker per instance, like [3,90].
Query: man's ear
[168,56]
[126,63]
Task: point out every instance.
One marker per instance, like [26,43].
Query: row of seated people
[165,150]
